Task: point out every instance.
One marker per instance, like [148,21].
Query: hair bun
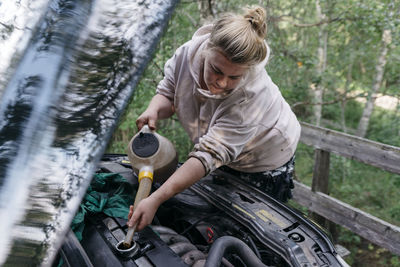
[257,17]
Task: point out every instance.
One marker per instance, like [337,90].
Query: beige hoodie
[251,129]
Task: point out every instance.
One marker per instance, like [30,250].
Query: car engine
[217,222]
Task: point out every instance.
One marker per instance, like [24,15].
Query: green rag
[109,193]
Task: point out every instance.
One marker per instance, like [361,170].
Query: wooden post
[320,183]
[320,180]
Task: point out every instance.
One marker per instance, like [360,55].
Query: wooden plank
[369,227]
[373,153]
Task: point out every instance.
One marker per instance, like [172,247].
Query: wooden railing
[326,141]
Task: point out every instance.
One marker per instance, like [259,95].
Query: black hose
[199,220]
[232,245]
[254,247]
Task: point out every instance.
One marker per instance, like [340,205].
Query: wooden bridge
[326,141]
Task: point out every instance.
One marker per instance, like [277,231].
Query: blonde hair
[241,37]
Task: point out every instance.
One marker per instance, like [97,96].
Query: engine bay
[219,221]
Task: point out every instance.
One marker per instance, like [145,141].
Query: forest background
[337,63]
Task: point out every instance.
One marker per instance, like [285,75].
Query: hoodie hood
[198,45]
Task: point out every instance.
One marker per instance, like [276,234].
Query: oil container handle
[146,129]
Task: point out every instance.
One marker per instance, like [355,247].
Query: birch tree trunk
[397,112]
[379,69]
[321,67]
[344,97]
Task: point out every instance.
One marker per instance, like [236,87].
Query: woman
[235,115]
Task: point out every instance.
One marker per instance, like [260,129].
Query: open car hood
[68,72]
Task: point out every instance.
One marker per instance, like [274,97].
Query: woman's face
[220,75]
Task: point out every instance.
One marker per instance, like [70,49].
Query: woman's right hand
[143,214]
[148,117]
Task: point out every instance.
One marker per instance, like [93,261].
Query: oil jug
[149,151]
[153,158]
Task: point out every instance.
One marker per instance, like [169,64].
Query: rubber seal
[145,174]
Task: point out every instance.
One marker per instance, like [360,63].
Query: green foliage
[348,237]
[173,38]
[364,253]
[395,261]
[385,127]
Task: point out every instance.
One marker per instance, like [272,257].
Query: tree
[206,10]
[321,66]
[379,69]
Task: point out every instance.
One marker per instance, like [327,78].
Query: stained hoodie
[250,129]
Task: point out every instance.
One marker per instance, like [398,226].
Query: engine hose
[199,220]
[231,244]
[254,247]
